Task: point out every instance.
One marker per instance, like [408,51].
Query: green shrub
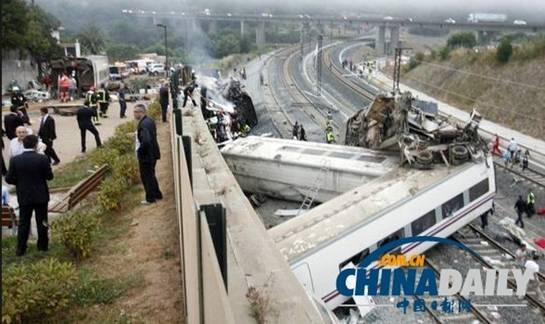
[126,167]
[462,39]
[123,144]
[104,156]
[444,53]
[75,231]
[154,110]
[125,128]
[110,193]
[34,292]
[504,50]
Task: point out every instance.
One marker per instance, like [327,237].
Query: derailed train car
[415,129]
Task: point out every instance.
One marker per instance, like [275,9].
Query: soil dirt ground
[149,249]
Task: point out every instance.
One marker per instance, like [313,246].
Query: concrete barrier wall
[203,290]
[17,68]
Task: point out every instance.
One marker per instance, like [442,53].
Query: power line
[484,76]
[482,103]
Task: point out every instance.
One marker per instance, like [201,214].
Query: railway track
[338,72]
[535,177]
[491,255]
[474,316]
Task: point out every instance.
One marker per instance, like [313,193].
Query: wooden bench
[9,219]
[79,191]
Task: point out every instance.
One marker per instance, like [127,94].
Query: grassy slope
[506,103]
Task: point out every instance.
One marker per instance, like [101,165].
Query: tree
[91,39]
[226,45]
[121,52]
[504,50]
[463,39]
[28,29]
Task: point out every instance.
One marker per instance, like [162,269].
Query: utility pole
[167,68]
[319,65]
[397,68]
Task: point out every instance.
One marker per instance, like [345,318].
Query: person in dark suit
[48,134]
[163,100]
[122,102]
[85,116]
[29,172]
[11,121]
[147,152]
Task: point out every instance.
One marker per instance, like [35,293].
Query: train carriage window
[453,205]
[423,223]
[478,190]
[399,234]
[356,259]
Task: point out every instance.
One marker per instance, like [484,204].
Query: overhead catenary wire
[511,111]
[521,84]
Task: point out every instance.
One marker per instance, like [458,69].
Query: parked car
[519,22]
[156,69]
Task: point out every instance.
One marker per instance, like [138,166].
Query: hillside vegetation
[511,93]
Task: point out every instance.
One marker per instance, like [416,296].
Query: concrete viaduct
[383,25]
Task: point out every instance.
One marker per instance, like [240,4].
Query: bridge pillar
[260,34]
[212,27]
[394,39]
[154,21]
[379,44]
[242,28]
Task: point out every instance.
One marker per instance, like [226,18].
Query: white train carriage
[405,202]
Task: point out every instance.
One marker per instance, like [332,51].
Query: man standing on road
[147,152]
[85,122]
[520,207]
[163,100]
[29,172]
[48,134]
[122,102]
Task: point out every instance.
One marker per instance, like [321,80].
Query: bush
[110,193]
[463,39]
[34,292]
[75,231]
[154,110]
[125,128]
[126,167]
[504,50]
[122,144]
[103,156]
[444,53]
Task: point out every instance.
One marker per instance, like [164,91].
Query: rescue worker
[245,130]
[329,136]
[91,99]
[261,79]
[103,99]
[19,100]
[520,207]
[329,118]
[531,201]
[302,134]
[525,160]
[188,94]
[295,131]
[496,146]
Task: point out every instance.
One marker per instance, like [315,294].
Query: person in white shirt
[521,255]
[512,147]
[16,144]
[533,267]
